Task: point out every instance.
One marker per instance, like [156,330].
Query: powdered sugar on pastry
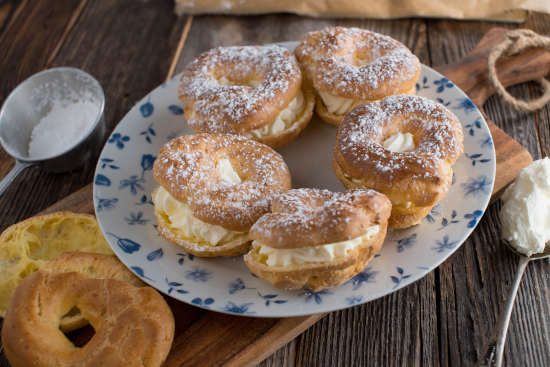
[414,175]
[438,135]
[187,168]
[227,107]
[357,64]
[317,238]
[311,217]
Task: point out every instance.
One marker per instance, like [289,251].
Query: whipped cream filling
[399,143]
[313,254]
[341,105]
[182,221]
[338,105]
[286,118]
[226,171]
[525,214]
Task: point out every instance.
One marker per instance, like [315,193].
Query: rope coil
[514,42]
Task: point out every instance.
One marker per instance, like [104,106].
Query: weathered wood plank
[231,31]
[27,47]
[361,335]
[284,357]
[532,309]
[541,23]
[126,45]
[7,10]
[475,279]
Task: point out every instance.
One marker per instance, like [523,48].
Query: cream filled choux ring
[256,91]
[404,147]
[349,66]
[316,238]
[213,188]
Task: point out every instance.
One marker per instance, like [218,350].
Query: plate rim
[372,296]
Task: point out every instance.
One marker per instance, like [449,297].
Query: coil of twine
[514,42]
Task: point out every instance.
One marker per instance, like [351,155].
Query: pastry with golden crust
[213,188]
[349,66]
[91,265]
[27,246]
[316,238]
[404,147]
[133,326]
[256,91]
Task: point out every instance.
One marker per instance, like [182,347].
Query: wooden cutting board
[205,338]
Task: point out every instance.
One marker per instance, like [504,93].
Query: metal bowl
[31,101]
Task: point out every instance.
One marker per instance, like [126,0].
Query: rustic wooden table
[132,46]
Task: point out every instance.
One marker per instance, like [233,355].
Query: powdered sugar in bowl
[54,118]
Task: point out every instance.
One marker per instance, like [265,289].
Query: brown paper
[501,10]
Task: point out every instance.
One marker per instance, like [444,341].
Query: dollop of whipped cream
[400,142]
[525,214]
[286,118]
[227,172]
[188,226]
[313,254]
[339,106]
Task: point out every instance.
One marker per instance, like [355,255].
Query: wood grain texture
[31,35]
[473,282]
[7,11]
[126,45]
[529,65]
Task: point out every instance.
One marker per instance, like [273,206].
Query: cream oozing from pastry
[339,106]
[227,172]
[185,224]
[313,254]
[400,142]
[285,120]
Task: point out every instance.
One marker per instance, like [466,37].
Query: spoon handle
[495,347]
[12,174]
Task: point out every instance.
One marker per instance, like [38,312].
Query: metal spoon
[495,347]
[32,100]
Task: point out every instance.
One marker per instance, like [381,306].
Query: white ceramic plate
[124,181]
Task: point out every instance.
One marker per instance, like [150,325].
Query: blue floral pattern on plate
[122,197]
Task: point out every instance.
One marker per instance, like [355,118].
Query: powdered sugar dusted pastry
[404,147]
[212,189]
[317,238]
[349,66]
[256,91]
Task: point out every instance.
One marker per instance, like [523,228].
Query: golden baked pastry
[317,238]
[213,188]
[27,246]
[349,66]
[133,326]
[404,147]
[90,265]
[256,91]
